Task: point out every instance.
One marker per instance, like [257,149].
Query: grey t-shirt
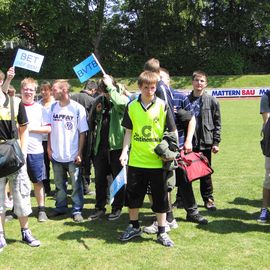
[264,105]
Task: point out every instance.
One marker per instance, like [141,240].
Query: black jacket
[210,126]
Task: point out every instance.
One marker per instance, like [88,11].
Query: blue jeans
[60,177]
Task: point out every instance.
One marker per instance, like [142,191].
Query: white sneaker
[153,229]
[3,242]
[173,224]
[165,240]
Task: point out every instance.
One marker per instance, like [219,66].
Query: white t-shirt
[47,109]
[37,117]
[67,123]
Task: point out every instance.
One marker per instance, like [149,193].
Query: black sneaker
[98,213]
[210,205]
[56,214]
[130,233]
[115,214]
[197,218]
[29,239]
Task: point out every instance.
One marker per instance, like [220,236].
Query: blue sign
[87,68]
[119,181]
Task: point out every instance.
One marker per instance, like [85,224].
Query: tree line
[225,37]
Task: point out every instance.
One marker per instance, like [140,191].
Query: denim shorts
[36,167]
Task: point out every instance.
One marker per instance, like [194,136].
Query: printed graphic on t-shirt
[68,120]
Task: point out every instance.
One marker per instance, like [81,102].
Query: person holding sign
[146,119]
[109,108]
[21,196]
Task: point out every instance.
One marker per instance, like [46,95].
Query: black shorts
[171,182]
[137,182]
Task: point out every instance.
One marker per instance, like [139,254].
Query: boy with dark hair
[208,129]
[146,118]
[264,111]
[108,112]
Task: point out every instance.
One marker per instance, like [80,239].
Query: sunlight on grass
[232,240]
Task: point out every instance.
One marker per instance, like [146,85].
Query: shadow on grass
[102,229]
[234,226]
[245,201]
[233,213]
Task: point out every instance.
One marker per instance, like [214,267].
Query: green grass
[232,239]
[185,82]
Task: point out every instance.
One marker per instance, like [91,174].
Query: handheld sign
[88,68]
[28,60]
[119,181]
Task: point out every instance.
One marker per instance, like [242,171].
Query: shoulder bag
[194,165]
[11,156]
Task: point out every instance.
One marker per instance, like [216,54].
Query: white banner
[242,92]
[28,60]
[234,92]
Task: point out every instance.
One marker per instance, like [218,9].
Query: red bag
[194,165]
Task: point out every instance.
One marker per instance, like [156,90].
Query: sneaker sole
[169,246]
[149,232]
[113,218]
[196,222]
[262,221]
[211,208]
[95,217]
[31,245]
[133,236]
[42,220]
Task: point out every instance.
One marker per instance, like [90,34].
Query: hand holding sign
[108,81]
[11,73]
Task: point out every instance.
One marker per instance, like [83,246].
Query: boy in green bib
[145,120]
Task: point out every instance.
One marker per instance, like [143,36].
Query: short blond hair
[29,80]
[147,77]
[62,83]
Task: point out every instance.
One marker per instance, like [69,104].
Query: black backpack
[265,142]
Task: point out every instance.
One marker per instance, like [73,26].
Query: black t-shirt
[84,99]
[5,118]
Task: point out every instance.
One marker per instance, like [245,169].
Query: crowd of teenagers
[107,127]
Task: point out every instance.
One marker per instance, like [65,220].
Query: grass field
[232,240]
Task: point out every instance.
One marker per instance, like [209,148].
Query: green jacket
[118,102]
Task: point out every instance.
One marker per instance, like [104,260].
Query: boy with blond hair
[21,196]
[38,125]
[145,120]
